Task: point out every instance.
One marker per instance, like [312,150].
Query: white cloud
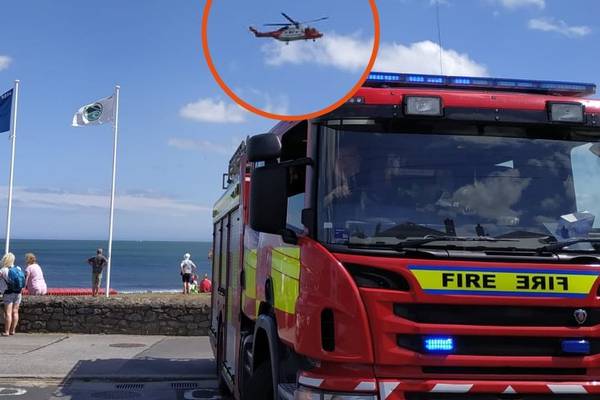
[5,62]
[212,110]
[424,57]
[559,26]
[512,4]
[205,146]
[350,53]
[347,53]
[137,202]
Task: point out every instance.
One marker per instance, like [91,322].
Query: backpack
[16,279]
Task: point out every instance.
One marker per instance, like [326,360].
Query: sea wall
[120,314]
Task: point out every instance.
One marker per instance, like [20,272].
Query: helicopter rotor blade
[314,20]
[277,24]
[290,19]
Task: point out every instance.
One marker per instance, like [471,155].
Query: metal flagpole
[112,193]
[13,137]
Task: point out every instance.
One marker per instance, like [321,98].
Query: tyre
[260,384]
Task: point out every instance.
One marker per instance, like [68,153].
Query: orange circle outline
[282,117]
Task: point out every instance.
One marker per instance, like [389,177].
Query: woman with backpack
[14,281]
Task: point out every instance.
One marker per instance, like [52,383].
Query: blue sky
[178,129]
[289,79]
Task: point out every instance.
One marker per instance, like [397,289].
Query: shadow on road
[128,378]
[146,367]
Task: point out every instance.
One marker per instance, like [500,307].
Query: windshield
[382,188]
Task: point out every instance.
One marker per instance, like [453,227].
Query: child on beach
[187,267]
[205,285]
[34,277]
[13,282]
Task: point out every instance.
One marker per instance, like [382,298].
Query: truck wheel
[260,384]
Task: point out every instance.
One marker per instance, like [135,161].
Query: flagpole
[13,136]
[112,192]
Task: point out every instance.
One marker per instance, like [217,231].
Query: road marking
[191,395]
[12,391]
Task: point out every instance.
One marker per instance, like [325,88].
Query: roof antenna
[439,31]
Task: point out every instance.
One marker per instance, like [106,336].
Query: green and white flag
[99,112]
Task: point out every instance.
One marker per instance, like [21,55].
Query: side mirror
[265,147]
[268,199]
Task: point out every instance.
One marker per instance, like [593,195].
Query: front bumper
[430,389]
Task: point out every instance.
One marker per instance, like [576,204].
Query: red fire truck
[432,239]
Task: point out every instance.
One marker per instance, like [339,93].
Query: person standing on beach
[98,263]
[13,281]
[34,277]
[187,267]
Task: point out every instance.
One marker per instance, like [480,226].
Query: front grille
[490,396]
[512,371]
[494,315]
[500,345]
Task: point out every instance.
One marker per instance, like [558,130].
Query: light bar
[441,344]
[376,79]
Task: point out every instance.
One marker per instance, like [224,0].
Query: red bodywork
[367,357]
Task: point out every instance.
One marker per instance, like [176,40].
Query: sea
[137,266]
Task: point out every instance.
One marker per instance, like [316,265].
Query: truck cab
[433,238]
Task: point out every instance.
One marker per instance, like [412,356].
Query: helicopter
[290,31]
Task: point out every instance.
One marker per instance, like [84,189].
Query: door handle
[222,291]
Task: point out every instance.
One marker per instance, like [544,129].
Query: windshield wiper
[561,245]
[432,238]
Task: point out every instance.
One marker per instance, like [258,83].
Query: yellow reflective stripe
[290,251]
[505,282]
[286,260]
[250,257]
[250,275]
[285,291]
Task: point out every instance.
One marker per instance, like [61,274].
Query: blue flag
[5,107]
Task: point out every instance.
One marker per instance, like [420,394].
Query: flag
[5,109]
[99,112]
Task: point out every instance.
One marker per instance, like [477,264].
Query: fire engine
[434,238]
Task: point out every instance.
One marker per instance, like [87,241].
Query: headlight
[421,105]
[305,393]
[566,112]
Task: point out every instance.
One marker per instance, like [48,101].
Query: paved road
[52,366]
[107,390]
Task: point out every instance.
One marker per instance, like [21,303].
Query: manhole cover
[127,345]
[202,394]
[116,394]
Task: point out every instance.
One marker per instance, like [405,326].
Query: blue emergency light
[464,82]
[439,344]
[575,346]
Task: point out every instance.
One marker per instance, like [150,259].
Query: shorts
[11,298]
[186,278]
[96,279]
